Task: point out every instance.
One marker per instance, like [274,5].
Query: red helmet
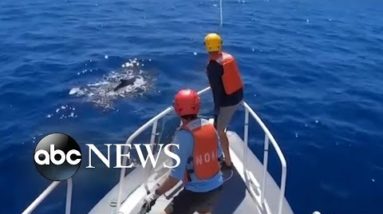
[186,102]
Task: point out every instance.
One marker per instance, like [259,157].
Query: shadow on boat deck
[234,197]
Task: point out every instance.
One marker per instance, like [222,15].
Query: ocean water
[313,70]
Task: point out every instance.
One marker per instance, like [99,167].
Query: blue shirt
[186,144]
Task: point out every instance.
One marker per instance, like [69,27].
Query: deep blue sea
[313,71]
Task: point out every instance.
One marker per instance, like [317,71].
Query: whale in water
[125,82]
[129,81]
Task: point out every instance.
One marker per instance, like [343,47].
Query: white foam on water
[98,84]
[63,112]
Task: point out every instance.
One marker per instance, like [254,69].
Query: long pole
[220,13]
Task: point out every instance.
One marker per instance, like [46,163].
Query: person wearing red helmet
[199,169]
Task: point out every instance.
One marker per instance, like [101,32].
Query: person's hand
[149,201]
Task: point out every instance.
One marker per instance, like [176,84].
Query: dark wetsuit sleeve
[214,74]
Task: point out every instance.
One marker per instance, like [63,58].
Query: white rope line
[221,13]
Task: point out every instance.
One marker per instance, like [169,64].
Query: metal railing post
[68,204]
[283,188]
[120,185]
[154,132]
[265,164]
[149,169]
[245,140]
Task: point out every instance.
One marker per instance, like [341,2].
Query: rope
[230,177]
[220,13]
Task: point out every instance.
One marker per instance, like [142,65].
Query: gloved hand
[149,201]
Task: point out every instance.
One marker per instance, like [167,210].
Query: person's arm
[185,141]
[169,183]
[217,101]
[214,72]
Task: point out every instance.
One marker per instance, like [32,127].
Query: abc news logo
[57,157]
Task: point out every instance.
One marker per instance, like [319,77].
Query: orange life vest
[205,152]
[231,77]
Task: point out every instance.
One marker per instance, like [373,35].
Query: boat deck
[235,198]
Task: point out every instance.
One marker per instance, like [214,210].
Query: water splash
[63,112]
[103,92]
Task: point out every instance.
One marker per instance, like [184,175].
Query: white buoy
[316,212]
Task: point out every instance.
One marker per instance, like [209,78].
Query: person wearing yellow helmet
[226,85]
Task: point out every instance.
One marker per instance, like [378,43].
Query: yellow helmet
[213,42]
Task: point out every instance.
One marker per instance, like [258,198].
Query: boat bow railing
[248,112]
[267,140]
